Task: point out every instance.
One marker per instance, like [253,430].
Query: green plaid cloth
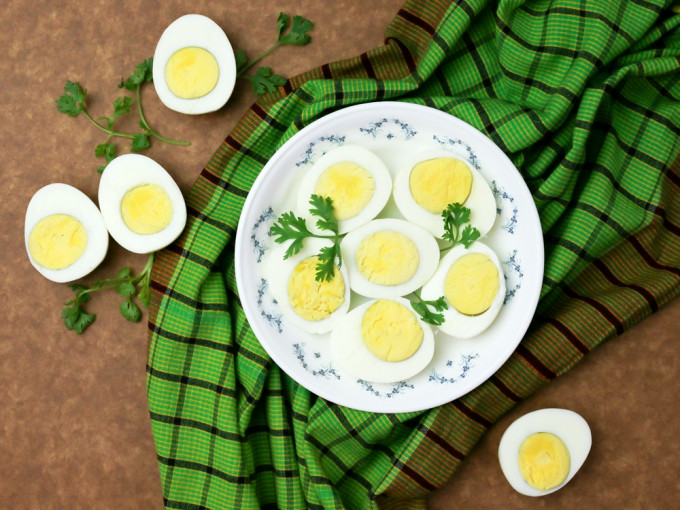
[582,95]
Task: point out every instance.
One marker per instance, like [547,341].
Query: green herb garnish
[455,216]
[294,228]
[77,319]
[73,103]
[289,34]
[422,306]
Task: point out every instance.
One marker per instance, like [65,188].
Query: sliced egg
[382,341]
[541,452]
[313,306]
[355,179]
[389,257]
[142,206]
[472,282]
[194,69]
[65,234]
[428,182]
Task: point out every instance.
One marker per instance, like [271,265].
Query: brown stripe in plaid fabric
[535,363]
[471,414]
[568,334]
[503,388]
[443,443]
[597,305]
[416,477]
[417,21]
[647,295]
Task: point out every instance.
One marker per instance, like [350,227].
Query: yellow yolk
[57,241]
[313,300]
[146,209]
[544,461]
[391,331]
[349,185]
[191,72]
[387,258]
[471,284]
[436,183]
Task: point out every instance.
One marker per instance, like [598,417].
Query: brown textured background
[74,426]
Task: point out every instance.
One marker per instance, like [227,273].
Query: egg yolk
[387,258]
[57,241]
[544,461]
[349,185]
[311,299]
[471,283]
[391,331]
[436,183]
[146,209]
[191,72]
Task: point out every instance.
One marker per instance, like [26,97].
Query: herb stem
[145,124]
[250,64]
[110,132]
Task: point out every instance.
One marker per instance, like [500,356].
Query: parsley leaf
[423,308]
[292,34]
[72,102]
[294,228]
[455,216]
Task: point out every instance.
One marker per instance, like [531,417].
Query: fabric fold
[584,100]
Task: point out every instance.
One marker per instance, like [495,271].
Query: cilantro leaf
[264,80]
[423,308]
[325,269]
[323,208]
[298,35]
[72,102]
[455,216]
[130,311]
[140,142]
[241,60]
[143,73]
[290,227]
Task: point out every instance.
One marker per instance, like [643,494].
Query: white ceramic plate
[392,130]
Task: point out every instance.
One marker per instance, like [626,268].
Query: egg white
[124,173]
[428,251]
[353,357]
[278,272]
[58,198]
[480,201]
[455,323]
[361,156]
[569,426]
[199,31]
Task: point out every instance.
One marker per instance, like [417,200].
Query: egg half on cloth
[194,68]
[65,234]
[541,451]
[142,206]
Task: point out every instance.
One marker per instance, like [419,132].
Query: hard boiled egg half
[542,451]
[472,282]
[65,234]
[194,69]
[357,181]
[429,181]
[142,206]
[312,305]
[382,341]
[389,257]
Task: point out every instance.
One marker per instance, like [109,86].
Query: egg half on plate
[310,304]
[472,282]
[541,452]
[64,232]
[194,68]
[389,257]
[142,206]
[357,181]
[429,181]
[382,341]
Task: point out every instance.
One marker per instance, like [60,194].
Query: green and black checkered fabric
[582,95]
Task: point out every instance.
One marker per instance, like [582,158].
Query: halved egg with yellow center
[65,234]
[355,179]
[429,181]
[389,257]
[194,68]
[142,206]
[382,341]
[472,282]
[542,451]
[312,305]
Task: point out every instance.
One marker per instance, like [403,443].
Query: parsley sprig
[294,228]
[423,306]
[124,283]
[73,102]
[295,33]
[457,228]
